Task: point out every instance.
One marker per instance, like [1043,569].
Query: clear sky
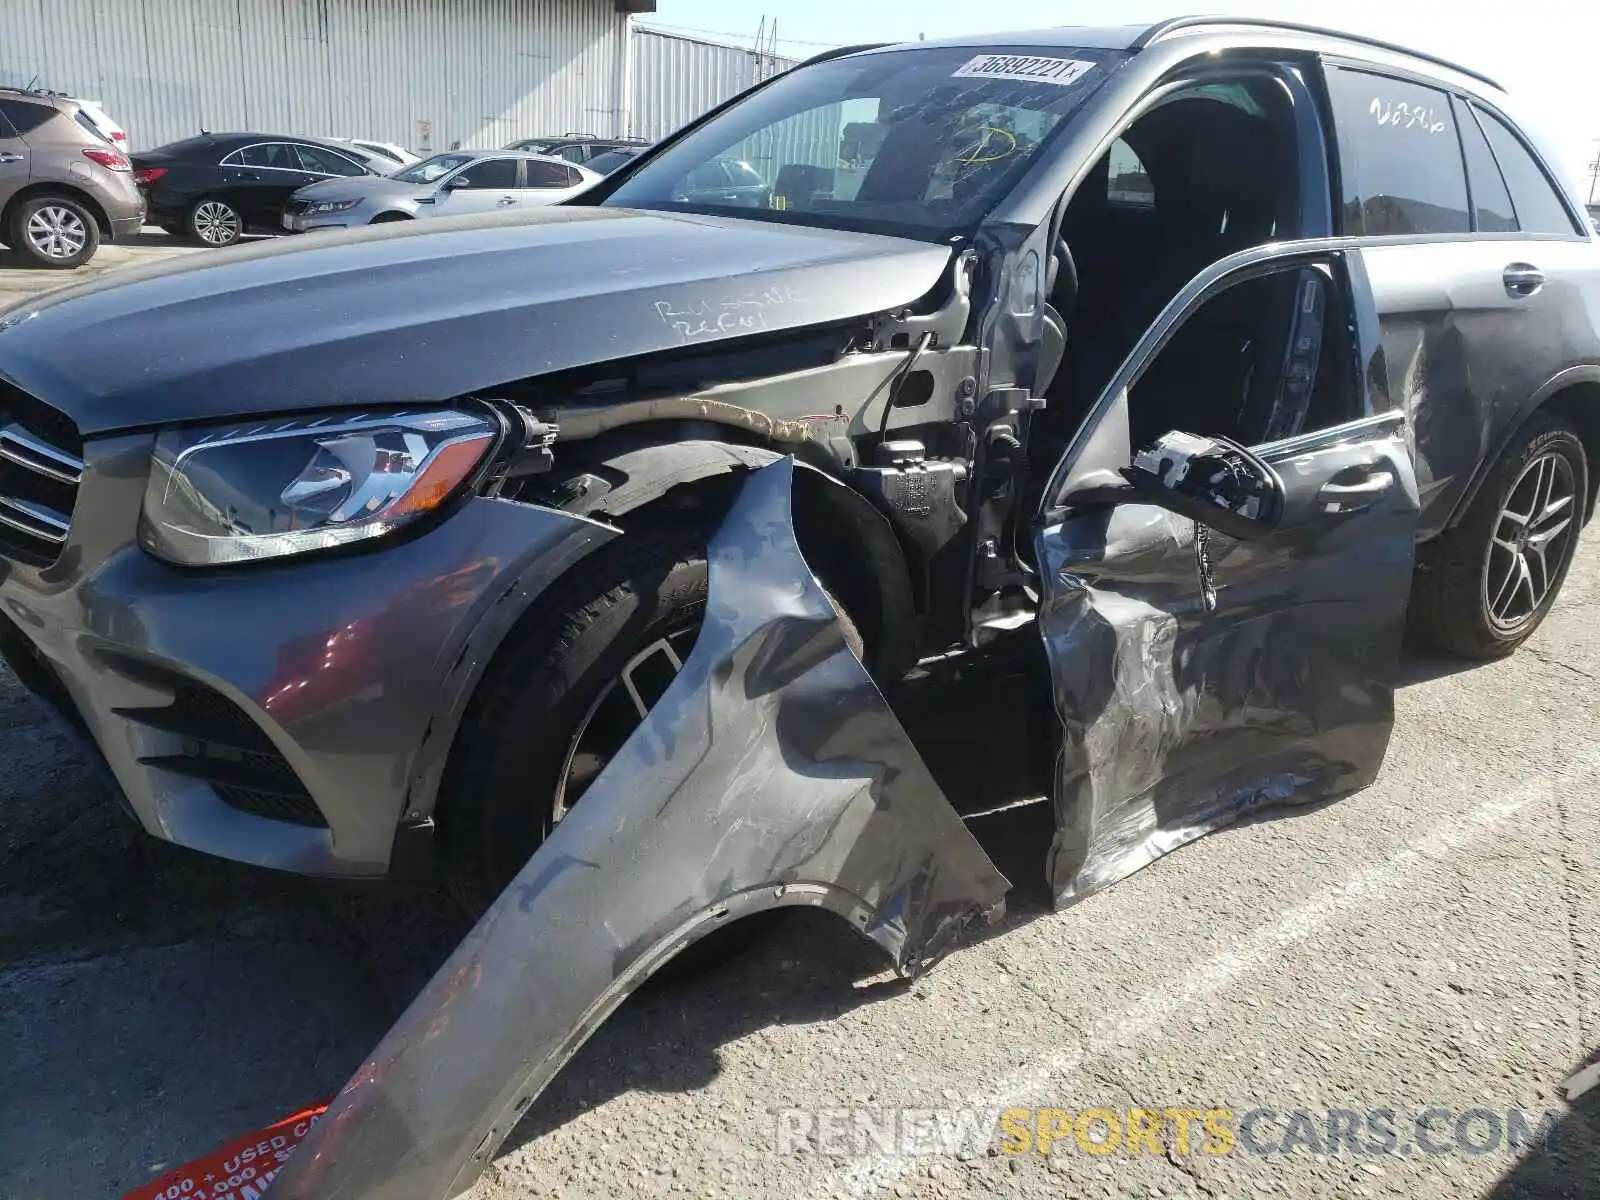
[1547,52]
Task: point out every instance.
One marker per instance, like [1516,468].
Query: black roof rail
[841,51]
[1176,24]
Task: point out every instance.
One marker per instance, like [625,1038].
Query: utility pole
[1594,175]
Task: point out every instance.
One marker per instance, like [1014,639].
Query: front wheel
[215,222]
[1485,586]
[566,691]
[54,232]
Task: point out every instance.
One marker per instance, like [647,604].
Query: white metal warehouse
[427,74]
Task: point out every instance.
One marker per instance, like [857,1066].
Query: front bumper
[294,715]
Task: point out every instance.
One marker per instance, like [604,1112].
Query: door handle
[1523,279]
[6,156]
[505,201]
[1353,497]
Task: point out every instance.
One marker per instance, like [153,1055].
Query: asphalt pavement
[1309,986]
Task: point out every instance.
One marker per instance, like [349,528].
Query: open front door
[1204,667]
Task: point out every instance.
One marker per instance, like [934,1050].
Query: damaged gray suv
[1211,352]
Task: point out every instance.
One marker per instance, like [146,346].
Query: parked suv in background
[577,147]
[1208,352]
[64,187]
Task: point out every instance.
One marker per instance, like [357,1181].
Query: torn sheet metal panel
[771,773]
[1178,718]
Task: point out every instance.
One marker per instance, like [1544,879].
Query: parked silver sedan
[446,185]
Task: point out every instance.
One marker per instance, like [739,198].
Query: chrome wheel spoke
[1506,592]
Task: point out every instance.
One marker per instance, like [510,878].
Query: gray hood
[429,311]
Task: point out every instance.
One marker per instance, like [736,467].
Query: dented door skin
[1179,718]
[771,773]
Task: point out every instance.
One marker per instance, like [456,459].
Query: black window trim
[7,129]
[1461,107]
[1550,178]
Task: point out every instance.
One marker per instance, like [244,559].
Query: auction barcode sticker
[242,1170]
[1026,67]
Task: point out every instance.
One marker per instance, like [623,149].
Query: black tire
[1451,605]
[172,229]
[54,232]
[388,218]
[498,803]
[213,221]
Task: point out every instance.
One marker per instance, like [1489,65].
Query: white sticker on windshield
[1063,71]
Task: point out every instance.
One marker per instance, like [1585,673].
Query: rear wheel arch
[67,192]
[1579,403]
[1573,395]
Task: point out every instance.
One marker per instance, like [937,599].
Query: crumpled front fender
[771,773]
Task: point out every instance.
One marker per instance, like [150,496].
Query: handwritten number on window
[1400,115]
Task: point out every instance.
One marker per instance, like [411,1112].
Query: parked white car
[446,185]
[102,122]
[400,154]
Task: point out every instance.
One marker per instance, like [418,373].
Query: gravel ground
[1431,942]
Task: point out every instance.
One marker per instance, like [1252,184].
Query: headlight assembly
[272,488]
[320,208]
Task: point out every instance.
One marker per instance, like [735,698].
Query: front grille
[295,207]
[41,466]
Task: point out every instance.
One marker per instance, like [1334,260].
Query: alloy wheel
[617,711]
[1532,538]
[57,232]
[216,223]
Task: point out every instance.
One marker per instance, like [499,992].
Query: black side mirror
[1213,481]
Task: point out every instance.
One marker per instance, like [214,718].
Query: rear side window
[1491,203]
[1399,156]
[326,162]
[548,175]
[1539,208]
[273,155]
[24,116]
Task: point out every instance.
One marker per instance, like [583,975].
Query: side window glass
[1266,359]
[573,177]
[1399,156]
[1539,208]
[1491,203]
[274,155]
[547,175]
[24,116]
[326,162]
[1128,184]
[491,173]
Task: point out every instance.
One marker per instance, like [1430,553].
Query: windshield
[920,142]
[430,169]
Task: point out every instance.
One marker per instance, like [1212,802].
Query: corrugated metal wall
[675,79]
[423,73]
